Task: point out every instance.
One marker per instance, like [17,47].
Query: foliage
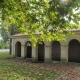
[2,45]
[41,19]
[6,34]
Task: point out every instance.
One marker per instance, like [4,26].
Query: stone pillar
[34,54]
[23,53]
[47,52]
[13,48]
[64,53]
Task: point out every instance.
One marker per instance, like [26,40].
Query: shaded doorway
[18,49]
[29,49]
[41,51]
[56,51]
[74,51]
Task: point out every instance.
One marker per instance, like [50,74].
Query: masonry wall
[48,48]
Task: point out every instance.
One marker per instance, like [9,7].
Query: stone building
[54,51]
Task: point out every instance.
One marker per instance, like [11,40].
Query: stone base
[47,61]
[34,60]
[29,59]
[56,62]
[64,61]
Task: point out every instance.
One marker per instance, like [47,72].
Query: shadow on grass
[14,71]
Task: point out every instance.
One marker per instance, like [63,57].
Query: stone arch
[56,51]
[18,49]
[41,51]
[28,49]
[74,51]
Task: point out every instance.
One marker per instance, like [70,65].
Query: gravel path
[67,71]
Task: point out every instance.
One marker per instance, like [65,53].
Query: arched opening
[18,49]
[29,49]
[74,51]
[56,51]
[41,51]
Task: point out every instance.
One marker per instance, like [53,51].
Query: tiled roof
[73,30]
[19,34]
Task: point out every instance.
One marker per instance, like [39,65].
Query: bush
[2,45]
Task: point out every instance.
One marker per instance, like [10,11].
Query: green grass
[4,55]
[13,71]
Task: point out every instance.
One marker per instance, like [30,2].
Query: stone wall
[64,47]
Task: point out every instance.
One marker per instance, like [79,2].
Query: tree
[41,19]
[6,34]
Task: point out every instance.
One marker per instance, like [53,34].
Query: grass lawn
[13,71]
[4,55]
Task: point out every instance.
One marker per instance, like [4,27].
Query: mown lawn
[4,55]
[13,71]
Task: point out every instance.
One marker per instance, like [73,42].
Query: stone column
[23,53]
[13,48]
[47,52]
[64,53]
[34,54]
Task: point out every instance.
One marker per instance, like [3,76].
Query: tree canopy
[41,19]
